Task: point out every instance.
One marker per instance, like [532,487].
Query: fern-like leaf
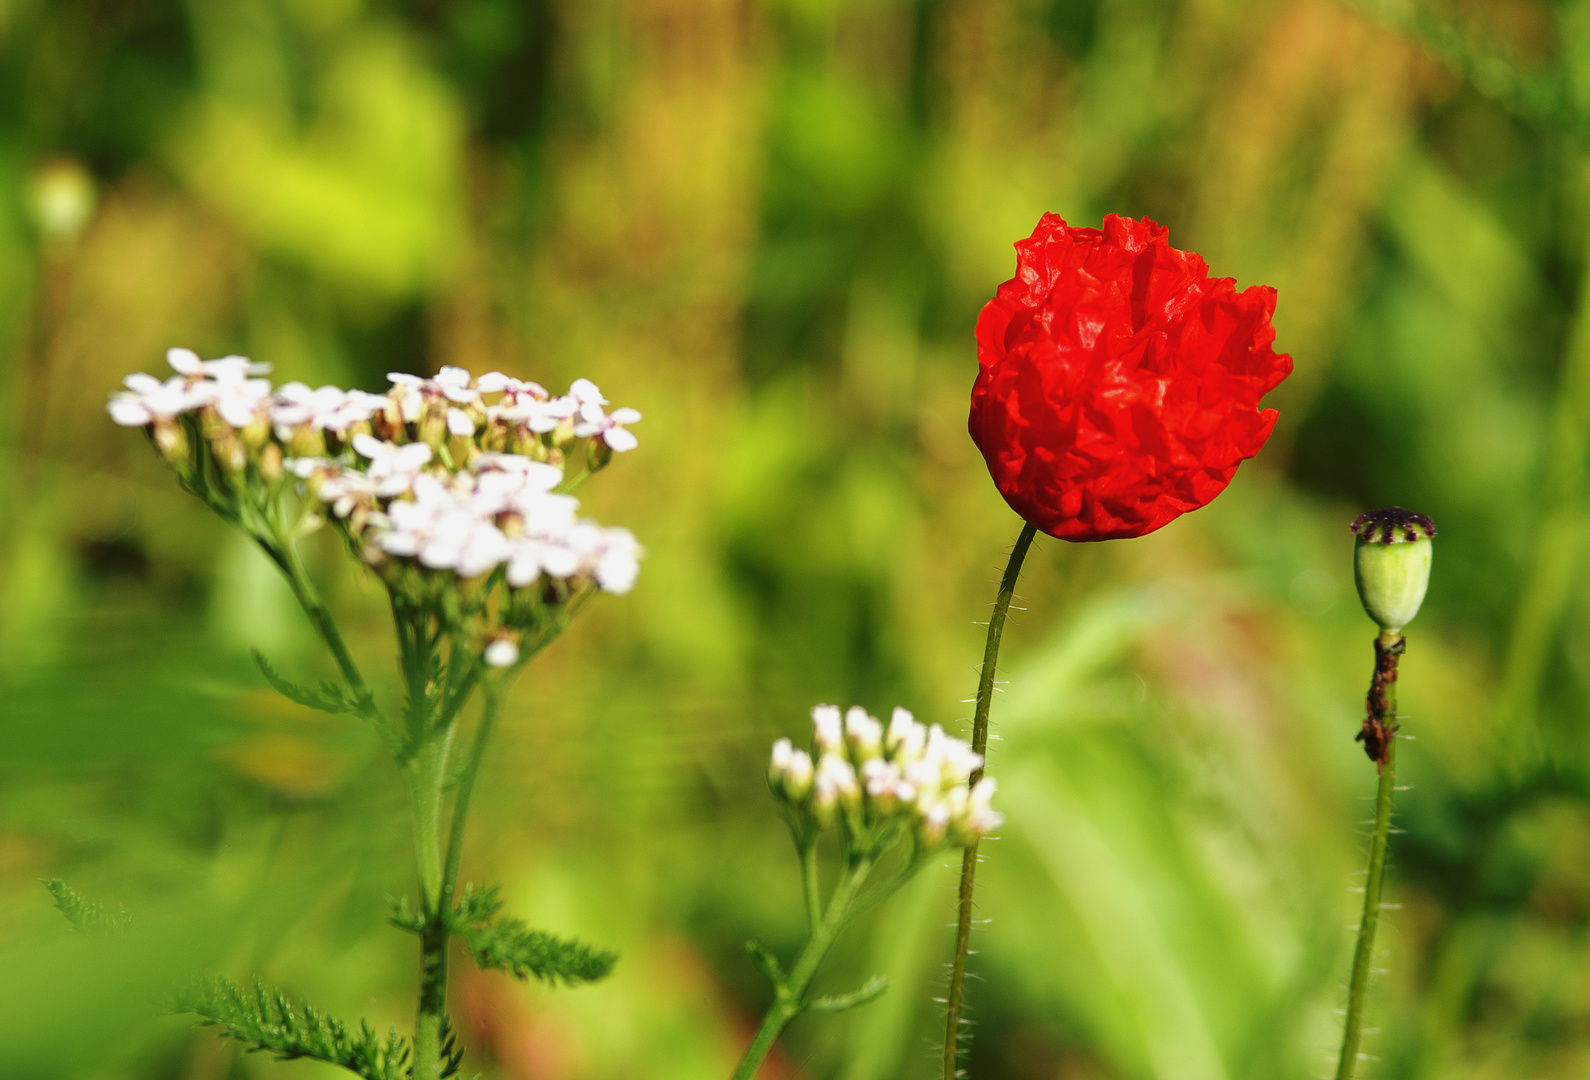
[327,698]
[85,916]
[509,945]
[271,1022]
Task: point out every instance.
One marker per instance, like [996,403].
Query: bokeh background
[770,226]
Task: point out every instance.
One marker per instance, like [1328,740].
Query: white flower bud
[798,776]
[981,818]
[827,729]
[502,652]
[835,784]
[933,819]
[778,765]
[906,738]
[864,733]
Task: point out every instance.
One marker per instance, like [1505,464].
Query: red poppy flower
[1119,383]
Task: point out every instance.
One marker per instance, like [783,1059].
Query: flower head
[907,773]
[418,480]
[1118,383]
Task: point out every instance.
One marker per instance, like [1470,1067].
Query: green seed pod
[1391,563]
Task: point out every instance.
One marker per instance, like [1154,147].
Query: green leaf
[271,1022]
[404,917]
[85,916]
[765,962]
[510,946]
[870,992]
[329,698]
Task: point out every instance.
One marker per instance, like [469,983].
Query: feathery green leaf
[271,1022]
[85,916]
[509,945]
[328,698]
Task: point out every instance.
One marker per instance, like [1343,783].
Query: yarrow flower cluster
[440,482]
[867,775]
[495,412]
[501,511]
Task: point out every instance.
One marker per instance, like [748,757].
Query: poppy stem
[1380,742]
[985,696]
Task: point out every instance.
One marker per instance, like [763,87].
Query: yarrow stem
[1383,720]
[789,994]
[309,599]
[985,696]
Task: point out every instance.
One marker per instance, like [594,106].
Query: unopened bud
[827,729]
[778,763]
[307,442]
[172,442]
[228,450]
[1391,563]
[799,776]
[835,785]
[270,463]
[934,819]
[256,432]
[864,734]
[502,652]
[433,427]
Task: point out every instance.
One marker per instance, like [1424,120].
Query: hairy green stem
[1383,703]
[985,697]
[790,994]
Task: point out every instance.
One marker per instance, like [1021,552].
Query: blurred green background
[770,226]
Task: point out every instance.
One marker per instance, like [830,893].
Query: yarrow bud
[908,772]
[1391,563]
[502,652]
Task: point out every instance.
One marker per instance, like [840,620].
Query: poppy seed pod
[1391,563]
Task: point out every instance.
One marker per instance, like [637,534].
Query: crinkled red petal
[1118,383]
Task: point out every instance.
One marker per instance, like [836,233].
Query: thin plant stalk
[790,992]
[1383,712]
[985,696]
[428,776]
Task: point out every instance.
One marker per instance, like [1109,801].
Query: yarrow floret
[524,418]
[867,775]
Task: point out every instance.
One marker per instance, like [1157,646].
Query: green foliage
[271,1022]
[870,991]
[328,697]
[510,946]
[86,916]
[763,959]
